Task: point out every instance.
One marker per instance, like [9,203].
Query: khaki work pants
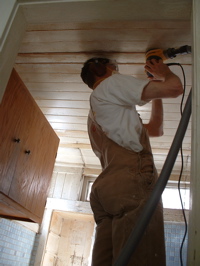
[117,198]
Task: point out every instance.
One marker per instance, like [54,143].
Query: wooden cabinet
[28,147]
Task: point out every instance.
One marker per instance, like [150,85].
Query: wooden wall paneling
[76,145]
[79,104]
[72,47]
[126,24]
[70,68]
[80,58]
[75,136]
[67,185]
[66,126]
[37,41]
[167,143]
[50,77]
[92,161]
[69,155]
[63,68]
[74,140]
[57,86]
[65,111]
[75,96]
[73,185]
[159,159]
[52,184]
[91,172]
[58,185]
[67,119]
[105,11]
[168,139]
[105,34]
[68,169]
[168,116]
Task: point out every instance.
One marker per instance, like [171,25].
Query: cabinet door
[30,145]
[35,166]
[11,124]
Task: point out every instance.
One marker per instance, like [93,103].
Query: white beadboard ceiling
[60,37]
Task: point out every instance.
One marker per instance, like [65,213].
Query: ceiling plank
[87,11]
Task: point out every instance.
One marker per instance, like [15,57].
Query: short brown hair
[95,66]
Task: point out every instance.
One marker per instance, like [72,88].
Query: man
[121,142]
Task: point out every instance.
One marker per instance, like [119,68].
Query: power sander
[166,54]
[170,53]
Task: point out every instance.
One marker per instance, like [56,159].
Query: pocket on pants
[120,191]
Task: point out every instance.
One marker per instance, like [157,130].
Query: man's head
[96,67]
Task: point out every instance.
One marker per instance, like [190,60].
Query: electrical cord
[182,164]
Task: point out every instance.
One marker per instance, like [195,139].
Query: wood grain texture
[28,149]
[69,239]
[52,54]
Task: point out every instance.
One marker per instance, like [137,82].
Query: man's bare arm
[163,84]
[155,125]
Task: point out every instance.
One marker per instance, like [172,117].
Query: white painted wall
[194,218]
[7,8]
[12,29]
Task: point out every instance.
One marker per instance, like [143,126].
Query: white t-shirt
[113,105]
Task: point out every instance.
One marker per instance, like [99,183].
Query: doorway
[69,240]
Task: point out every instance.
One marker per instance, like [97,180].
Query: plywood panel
[78,234]
[71,245]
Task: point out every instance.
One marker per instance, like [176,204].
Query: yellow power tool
[170,53]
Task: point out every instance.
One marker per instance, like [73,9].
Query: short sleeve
[121,90]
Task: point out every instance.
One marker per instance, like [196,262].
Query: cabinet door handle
[27,152]
[17,140]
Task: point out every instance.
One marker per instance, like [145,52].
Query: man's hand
[157,69]
[163,84]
